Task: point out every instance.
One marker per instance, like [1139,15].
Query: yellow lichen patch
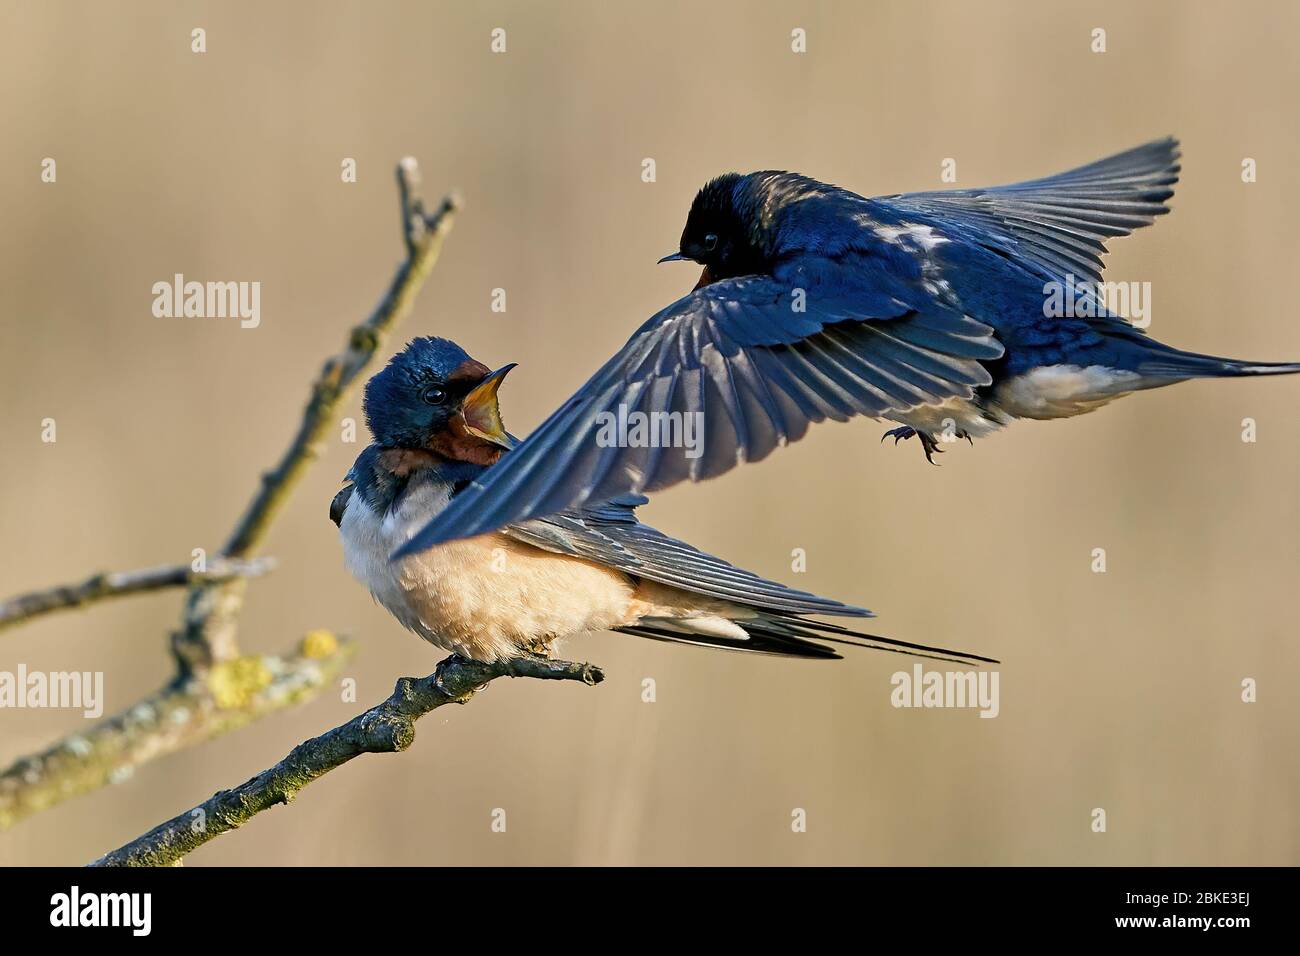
[319,643]
[233,683]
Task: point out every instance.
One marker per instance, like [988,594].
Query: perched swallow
[437,427]
[928,309]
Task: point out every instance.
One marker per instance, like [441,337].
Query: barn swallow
[931,309]
[436,422]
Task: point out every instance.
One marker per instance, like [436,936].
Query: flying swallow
[436,422]
[928,309]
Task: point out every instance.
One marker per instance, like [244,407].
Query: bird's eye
[710,242]
[433,395]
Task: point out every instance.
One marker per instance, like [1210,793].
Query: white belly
[1053,391]
[1060,391]
[485,598]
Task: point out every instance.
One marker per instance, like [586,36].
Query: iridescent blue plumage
[928,309]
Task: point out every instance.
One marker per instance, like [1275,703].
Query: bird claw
[928,442]
[534,649]
[537,646]
[931,447]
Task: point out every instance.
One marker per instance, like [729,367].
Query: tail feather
[799,637]
[777,644]
[838,634]
[1181,365]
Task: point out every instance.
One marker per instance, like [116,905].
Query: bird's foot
[928,442]
[538,647]
[534,649]
[931,446]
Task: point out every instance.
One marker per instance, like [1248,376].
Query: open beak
[481,413]
[675,257]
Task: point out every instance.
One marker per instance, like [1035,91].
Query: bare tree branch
[181,715]
[101,587]
[209,694]
[388,727]
[424,235]
[208,630]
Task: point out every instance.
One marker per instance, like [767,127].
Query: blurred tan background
[1119,691]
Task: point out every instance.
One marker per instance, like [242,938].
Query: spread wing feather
[749,372]
[1059,224]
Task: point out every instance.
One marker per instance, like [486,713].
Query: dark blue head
[433,396]
[733,228]
[718,234]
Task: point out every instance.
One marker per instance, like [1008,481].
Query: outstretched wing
[871,326]
[741,366]
[1057,225]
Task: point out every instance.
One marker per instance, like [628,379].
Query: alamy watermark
[77,690]
[922,688]
[1086,299]
[639,429]
[133,911]
[208,300]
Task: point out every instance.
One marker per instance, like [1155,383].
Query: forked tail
[1180,365]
